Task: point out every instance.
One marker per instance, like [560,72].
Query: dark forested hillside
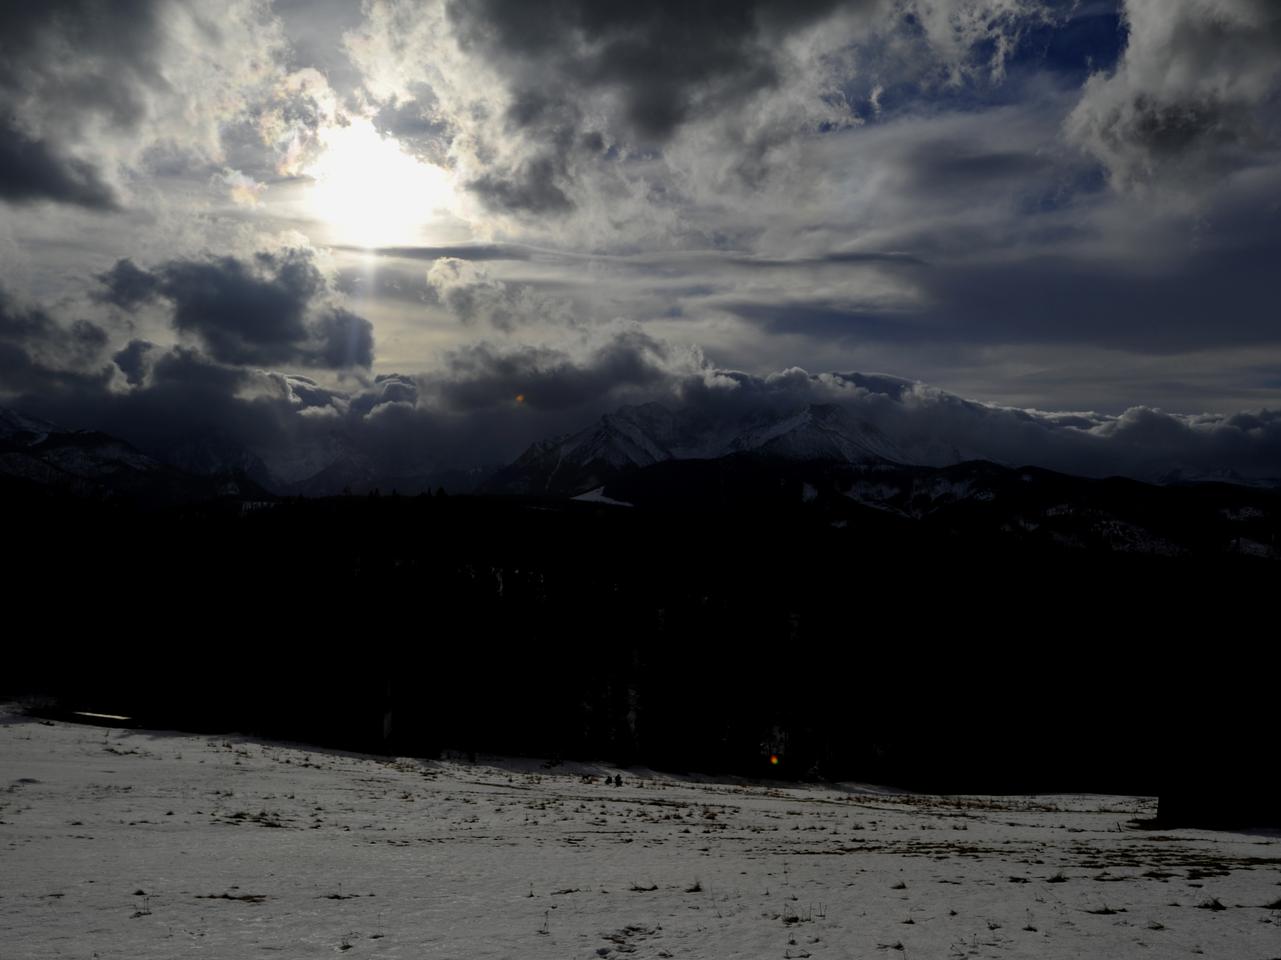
[876,647]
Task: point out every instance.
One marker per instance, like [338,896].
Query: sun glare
[370,191]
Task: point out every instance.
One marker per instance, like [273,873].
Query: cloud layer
[1039,204]
[487,401]
[1194,95]
[274,308]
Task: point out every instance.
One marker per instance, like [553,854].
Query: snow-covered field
[136,844]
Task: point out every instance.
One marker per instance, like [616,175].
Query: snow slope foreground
[130,844]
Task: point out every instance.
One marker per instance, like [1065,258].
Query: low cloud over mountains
[548,210]
[487,402]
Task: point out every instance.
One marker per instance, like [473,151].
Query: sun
[371,192]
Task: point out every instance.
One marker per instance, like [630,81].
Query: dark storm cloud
[830,320]
[307,392]
[463,415]
[30,170]
[489,401]
[126,285]
[665,60]
[269,309]
[1218,295]
[19,328]
[417,125]
[960,217]
[132,360]
[185,396]
[661,64]
[1195,94]
[244,150]
[103,103]
[115,37]
[188,369]
[19,324]
[1021,244]
[245,312]
[1215,299]
[83,62]
[387,388]
[346,339]
[482,376]
[948,166]
[536,187]
[36,349]
[87,339]
[835,258]
[645,262]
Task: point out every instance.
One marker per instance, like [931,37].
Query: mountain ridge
[639,436]
[95,465]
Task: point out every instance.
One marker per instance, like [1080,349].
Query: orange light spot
[773,759]
[520,398]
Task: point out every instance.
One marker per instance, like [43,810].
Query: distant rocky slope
[86,463]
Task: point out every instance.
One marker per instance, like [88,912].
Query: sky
[432,232]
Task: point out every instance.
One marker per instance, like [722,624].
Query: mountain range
[823,460]
[640,436]
[817,458]
[617,443]
[96,465]
[42,456]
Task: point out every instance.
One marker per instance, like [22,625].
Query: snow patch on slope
[598,496]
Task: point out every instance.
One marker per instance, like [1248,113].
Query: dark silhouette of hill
[976,501]
[730,615]
[969,627]
[98,466]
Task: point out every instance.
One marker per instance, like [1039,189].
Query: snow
[640,436]
[299,462]
[140,844]
[609,444]
[641,429]
[103,457]
[772,429]
[13,424]
[598,496]
[820,432]
[1253,548]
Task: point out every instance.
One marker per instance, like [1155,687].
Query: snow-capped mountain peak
[19,428]
[819,432]
[639,436]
